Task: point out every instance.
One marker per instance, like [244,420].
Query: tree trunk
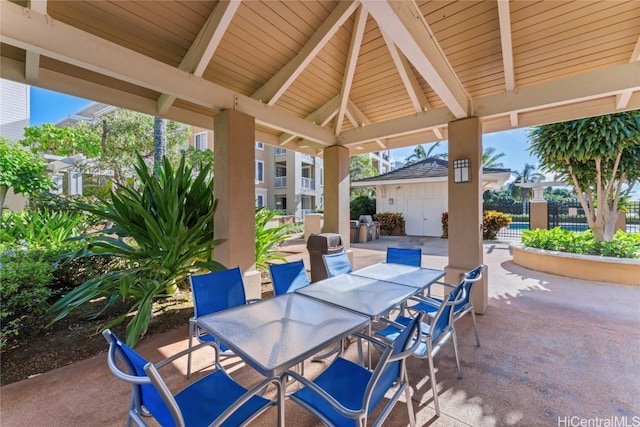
[159,143]
[3,195]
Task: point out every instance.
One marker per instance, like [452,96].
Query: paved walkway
[553,348]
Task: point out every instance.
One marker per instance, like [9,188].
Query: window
[259,145]
[259,201]
[259,171]
[321,178]
[280,151]
[200,140]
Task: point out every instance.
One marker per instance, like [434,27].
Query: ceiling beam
[32,59]
[569,90]
[204,46]
[350,68]
[408,29]
[321,116]
[359,120]
[623,98]
[277,85]
[504,18]
[65,43]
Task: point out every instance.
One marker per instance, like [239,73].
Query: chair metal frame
[407,256]
[466,306]
[434,335]
[336,264]
[159,389]
[380,377]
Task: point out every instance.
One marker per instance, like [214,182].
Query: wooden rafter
[271,91]
[350,68]
[622,99]
[358,119]
[405,24]
[204,46]
[321,116]
[32,59]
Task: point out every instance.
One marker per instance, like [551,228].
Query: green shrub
[362,205]
[24,292]
[41,227]
[388,220]
[623,245]
[492,222]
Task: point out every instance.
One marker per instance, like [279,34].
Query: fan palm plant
[163,228]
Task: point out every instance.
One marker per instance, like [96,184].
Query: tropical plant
[164,229]
[490,158]
[599,156]
[41,226]
[267,239]
[526,175]
[419,154]
[21,170]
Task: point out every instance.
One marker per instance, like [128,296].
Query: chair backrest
[408,256]
[443,319]
[389,368]
[337,264]
[468,280]
[288,277]
[217,291]
[144,391]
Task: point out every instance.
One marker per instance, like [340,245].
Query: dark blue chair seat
[213,398]
[407,256]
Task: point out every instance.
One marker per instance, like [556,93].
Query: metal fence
[567,215]
[633,217]
[519,213]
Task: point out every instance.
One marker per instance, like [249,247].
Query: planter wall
[398,230]
[588,267]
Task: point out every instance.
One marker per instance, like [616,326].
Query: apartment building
[285,180]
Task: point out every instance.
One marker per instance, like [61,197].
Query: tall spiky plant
[163,228]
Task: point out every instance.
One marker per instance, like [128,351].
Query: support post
[465,207]
[336,193]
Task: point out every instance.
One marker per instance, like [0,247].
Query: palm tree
[527,175]
[419,154]
[490,159]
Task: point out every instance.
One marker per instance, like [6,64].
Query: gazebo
[335,78]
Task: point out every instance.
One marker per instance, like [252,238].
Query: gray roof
[431,167]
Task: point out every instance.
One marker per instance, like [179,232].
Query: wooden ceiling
[370,74]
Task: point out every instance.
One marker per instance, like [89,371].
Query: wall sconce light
[390,200]
[461,171]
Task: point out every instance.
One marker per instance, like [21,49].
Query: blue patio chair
[407,256]
[213,292]
[337,264]
[434,335]
[347,393]
[288,277]
[470,278]
[215,399]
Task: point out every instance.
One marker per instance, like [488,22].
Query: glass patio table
[275,334]
[408,275]
[369,296]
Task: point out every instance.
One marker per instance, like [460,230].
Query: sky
[50,107]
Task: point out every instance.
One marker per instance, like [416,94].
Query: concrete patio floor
[555,352]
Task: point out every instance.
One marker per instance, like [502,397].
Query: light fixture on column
[461,171]
[390,200]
